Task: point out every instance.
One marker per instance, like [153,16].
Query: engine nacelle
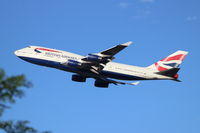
[78,78]
[73,63]
[94,57]
[102,84]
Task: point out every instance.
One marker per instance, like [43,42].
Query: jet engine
[94,57]
[102,84]
[73,63]
[78,78]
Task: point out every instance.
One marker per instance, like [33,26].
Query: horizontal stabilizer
[170,72]
[134,83]
[177,80]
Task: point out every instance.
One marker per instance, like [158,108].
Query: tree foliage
[18,127]
[10,90]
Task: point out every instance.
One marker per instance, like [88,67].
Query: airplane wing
[114,50]
[96,62]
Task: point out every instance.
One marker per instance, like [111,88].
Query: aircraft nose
[17,52]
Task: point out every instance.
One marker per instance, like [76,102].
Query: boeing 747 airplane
[100,66]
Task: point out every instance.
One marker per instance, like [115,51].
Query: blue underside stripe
[57,65]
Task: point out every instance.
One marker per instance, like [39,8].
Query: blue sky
[157,28]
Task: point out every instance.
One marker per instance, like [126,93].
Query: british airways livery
[100,66]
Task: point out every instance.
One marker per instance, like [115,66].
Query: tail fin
[169,63]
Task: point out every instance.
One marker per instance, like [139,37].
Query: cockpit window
[36,50]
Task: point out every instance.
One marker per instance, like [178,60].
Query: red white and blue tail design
[172,61]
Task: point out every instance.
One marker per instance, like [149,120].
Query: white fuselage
[56,58]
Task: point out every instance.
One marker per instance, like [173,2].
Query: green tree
[18,127]
[10,90]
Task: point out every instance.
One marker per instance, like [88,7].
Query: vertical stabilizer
[170,62]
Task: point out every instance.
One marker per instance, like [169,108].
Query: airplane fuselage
[55,59]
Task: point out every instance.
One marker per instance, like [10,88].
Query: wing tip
[127,44]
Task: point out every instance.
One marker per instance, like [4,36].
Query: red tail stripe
[49,50]
[176,57]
